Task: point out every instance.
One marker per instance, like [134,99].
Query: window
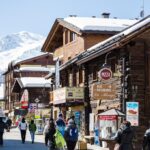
[66,36]
[80,76]
[72,36]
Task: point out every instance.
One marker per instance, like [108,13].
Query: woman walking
[23,128]
[32,129]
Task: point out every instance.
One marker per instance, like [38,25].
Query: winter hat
[71,122]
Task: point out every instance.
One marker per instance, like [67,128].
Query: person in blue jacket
[60,124]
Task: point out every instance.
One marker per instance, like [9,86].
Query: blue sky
[37,16]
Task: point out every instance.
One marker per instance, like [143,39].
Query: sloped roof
[35,69]
[114,41]
[27,82]
[81,25]
[112,112]
[110,43]
[99,24]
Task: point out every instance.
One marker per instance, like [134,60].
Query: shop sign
[113,117]
[103,91]
[24,99]
[132,113]
[61,95]
[37,114]
[105,74]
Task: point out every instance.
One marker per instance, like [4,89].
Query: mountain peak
[15,40]
[19,46]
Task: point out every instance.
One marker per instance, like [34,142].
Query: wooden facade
[127,55]
[129,62]
[13,72]
[67,42]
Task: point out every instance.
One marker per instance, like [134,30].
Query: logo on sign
[105,74]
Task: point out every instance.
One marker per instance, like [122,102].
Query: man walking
[126,137]
[2,127]
[71,135]
[32,129]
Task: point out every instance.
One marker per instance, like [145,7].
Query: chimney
[72,15]
[105,15]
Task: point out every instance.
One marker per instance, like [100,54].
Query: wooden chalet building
[67,39]
[34,67]
[117,76]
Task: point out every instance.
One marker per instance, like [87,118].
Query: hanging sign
[132,113]
[24,99]
[105,73]
[108,117]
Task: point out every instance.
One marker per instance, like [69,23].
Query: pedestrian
[71,135]
[2,127]
[51,135]
[45,131]
[146,140]
[8,123]
[23,129]
[32,129]
[72,118]
[126,137]
[60,124]
[117,136]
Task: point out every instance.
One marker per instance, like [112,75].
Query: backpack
[59,140]
[73,134]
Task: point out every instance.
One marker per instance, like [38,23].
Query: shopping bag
[59,140]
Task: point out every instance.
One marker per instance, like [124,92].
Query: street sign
[105,74]
[37,100]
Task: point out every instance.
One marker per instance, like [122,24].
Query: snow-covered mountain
[19,46]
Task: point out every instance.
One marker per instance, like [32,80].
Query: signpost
[103,91]
[37,113]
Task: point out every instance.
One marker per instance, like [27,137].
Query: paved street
[12,141]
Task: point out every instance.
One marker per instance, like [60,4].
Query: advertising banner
[132,113]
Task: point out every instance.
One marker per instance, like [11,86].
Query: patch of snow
[100,24]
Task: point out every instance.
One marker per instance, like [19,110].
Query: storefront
[69,101]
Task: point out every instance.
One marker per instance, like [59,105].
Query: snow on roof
[112,112]
[100,24]
[123,33]
[34,82]
[34,69]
